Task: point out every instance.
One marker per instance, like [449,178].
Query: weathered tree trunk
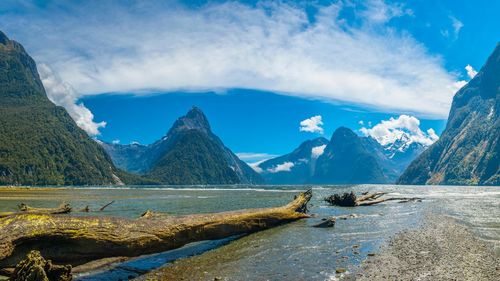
[74,240]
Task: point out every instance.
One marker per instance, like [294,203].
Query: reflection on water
[295,251]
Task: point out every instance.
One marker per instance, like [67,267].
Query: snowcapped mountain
[346,158]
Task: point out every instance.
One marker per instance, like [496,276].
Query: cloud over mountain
[155,46]
[388,131]
[63,94]
[312,125]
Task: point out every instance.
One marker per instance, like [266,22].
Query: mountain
[395,156]
[346,160]
[39,142]
[128,157]
[467,152]
[345,156]
[296,167]
[188,154]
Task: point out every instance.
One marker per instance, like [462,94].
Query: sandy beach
[441,250]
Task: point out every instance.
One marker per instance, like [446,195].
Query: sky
[268,74]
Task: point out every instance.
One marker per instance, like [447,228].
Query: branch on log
[367,199]
[104,207]
[78,240]
[64,208]
[25,209]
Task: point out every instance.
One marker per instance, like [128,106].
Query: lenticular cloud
[156,47]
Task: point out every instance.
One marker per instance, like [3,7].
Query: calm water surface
[294,251]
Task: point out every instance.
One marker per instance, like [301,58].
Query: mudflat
[441,249]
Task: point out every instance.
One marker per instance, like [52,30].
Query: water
[295,251]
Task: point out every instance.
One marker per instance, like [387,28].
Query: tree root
[35,268]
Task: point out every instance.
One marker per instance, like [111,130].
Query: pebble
[340,270]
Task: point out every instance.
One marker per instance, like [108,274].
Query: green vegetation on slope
[39,142]
[467,152]
[194,159]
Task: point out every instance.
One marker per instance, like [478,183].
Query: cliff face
[467,152]
[39,142]
[347,161]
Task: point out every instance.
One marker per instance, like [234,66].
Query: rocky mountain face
[188,154]
[467,152]
[394,157]
[39,142]
[345,159]
[296,167]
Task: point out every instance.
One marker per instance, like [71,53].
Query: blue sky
[257,69]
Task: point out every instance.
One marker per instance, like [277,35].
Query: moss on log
[75,240]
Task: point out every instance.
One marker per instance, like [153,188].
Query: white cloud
[377,11]
[388,131]
[152,46]
[255,166]
[361,122]
[312,125]
[317,151]
[254,157]
[63,94]
[285,167]
[471,72]
[115,142]
[457,25]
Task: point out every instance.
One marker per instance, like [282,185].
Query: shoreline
[441,249]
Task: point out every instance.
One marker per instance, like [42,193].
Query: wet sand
[441,250]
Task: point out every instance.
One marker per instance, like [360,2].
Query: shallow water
[295,251]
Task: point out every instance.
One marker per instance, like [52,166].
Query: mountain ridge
[467,152]
[40,144]
[188,154]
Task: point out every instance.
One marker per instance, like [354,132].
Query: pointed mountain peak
[196,113]
[308,144]
[195,119]
[486,80]
[3,38]
[343,133]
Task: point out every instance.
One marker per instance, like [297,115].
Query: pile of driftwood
[77,240]
[366,199]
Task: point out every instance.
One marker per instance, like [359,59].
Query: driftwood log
[72,240]
[366,199]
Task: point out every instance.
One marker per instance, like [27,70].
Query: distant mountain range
[346,159]
[40,144]
[188,154]
[467,152]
